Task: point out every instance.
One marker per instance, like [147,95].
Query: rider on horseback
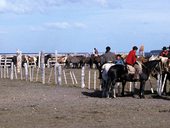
[107,57]
[119,60]
[164,52]
[132,63]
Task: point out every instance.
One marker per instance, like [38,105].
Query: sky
[81,25]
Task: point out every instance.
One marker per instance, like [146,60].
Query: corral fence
[52,74]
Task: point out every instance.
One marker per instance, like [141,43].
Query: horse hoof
[142,97]
[122,94]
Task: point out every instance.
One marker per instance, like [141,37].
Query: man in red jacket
[131,62]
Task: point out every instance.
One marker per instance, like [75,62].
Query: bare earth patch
[33,105]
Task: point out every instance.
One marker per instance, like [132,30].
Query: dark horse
[119,73]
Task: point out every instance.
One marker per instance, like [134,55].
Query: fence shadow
[96,93]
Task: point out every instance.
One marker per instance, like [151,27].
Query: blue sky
[81,25]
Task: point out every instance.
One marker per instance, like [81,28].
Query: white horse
[105,69]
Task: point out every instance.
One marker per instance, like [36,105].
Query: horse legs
[142,89]
[123,88]
[112,89]
[103,88]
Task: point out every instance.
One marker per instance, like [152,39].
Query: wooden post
[1,72]
[5,66]
[94,80]
[19,61]
[55,73]
[59,75]
[12,71]
[74,77]
[26,71]
[50,75]
[39,60]
[82,77]
[30,74]
[71,75]
[7,71]
[89,79]
[21,73]
[42,66]
[37,73]
[43,74]
[65,79]
[15,70]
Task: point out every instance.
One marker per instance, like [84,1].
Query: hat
[164,48]
[135,48]
[118,55]
[108,48]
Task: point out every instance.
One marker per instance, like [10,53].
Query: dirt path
[33,105]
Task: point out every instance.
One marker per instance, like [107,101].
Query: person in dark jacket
[107,57]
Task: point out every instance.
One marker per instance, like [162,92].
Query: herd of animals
[116,73]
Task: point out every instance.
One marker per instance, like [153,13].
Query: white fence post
[71,75]
[95,80]
[82,77]
[42,66]
[59,75]
[19,60]
[65,79]
[12,71]
[89,79]
[26,71]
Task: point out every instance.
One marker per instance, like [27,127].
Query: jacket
[108,57]
[131,58]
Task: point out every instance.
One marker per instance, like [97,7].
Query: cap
[135,48]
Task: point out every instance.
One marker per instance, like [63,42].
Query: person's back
[108,57]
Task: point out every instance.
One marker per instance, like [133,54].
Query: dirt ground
[33,105]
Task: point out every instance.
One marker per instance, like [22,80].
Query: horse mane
[149,65]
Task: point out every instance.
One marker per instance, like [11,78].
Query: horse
[76,61]
[119,73]
[96,60]
[164,75]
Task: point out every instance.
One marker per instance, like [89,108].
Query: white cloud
[27,6]
[58,25]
